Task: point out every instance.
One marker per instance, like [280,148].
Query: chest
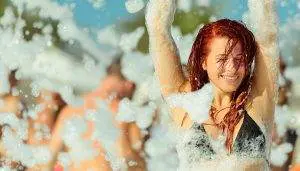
[249,141]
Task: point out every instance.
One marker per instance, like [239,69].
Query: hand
[160,15]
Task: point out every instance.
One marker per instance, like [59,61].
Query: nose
[232,65]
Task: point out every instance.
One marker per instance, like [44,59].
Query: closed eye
[221,58]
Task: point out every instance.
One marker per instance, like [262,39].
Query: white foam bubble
[134,6]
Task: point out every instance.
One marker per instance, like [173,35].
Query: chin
[225,86]
[228,88]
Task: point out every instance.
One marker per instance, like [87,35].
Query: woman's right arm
[159,18]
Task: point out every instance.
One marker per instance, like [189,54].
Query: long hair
[236,32]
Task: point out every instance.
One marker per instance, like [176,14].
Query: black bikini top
[250,140]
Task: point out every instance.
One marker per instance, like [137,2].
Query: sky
[285,9]
[87,16]
[114,11]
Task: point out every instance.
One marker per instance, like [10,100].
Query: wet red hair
[236,32]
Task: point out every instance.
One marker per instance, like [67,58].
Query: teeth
[229,77]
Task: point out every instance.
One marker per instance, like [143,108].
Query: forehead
[219,44]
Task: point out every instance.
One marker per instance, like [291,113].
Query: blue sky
[87,16]
[285,9]
[114,10]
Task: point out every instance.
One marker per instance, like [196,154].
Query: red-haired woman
[243,77]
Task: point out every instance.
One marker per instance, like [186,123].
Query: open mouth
[230,78]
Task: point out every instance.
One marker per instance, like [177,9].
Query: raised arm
[159,18]
[263,20]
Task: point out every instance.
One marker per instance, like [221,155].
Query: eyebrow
[221,55]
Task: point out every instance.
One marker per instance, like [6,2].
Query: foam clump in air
[184,43]
[204,3]
[279,154]
[130,112]
[14,133]
[20,126]
[185,5]
[148,90]
[197,103]
[288,44]
[129,41]
[133,6]
[28,56]
[188,5]
[8,18]
[64,159]
[4,78]
[105,131]
[161,149]
[109,36]
[68,96]
[97,3]
[283,118]
[136,66]
[26,154]
[67,28]
[73,130]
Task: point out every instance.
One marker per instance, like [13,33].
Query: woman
[241,72]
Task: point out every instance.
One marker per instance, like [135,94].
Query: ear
[204,66]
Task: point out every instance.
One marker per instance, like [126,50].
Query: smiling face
[225,70]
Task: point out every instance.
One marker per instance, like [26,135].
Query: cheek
[242,69]
[214,67]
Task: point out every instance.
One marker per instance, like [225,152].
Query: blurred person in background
[290,136]
[113,87]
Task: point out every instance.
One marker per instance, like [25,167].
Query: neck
[221,99]
[221,103]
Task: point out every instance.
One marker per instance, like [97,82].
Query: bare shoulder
[68,112]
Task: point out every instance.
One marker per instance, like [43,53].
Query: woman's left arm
[263,20]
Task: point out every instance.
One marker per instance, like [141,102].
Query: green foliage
[186,21]
[30,17]
[3,4]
